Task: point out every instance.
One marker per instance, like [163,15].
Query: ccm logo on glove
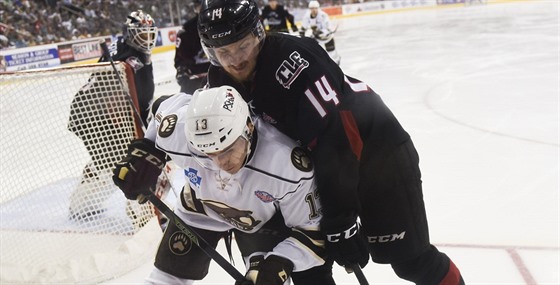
[148,157]
[347,234]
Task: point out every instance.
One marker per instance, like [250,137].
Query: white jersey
[277,177]
[321,21]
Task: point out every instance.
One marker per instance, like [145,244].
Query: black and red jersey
[301,91]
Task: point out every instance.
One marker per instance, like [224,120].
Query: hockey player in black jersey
[241,175]
[190,61]
[366,164]
[135,48]
[276,17]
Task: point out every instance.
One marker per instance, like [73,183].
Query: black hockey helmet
[222,22]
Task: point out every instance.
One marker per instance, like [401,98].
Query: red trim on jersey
[312,144]
[352,133]
[452,277]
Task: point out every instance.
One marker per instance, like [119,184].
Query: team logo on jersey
[167,125]
[135,63]
[192,175]
[265,196]
[179,243]
[240,219]
[290,69]
[301,159]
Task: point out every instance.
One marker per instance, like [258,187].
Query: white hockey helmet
[314,4]
[216,118]
[140,31]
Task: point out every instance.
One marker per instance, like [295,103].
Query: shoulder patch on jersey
[135,63]
[167,125]
[301,159]
[290,69]
[264,196]
[192,175]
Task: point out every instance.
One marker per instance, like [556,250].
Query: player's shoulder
[279,156]
[291,57]
[170,120]
[281,46]
[190,24]
[173,104]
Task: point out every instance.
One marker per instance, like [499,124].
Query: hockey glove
[138,171]
[274,270]
[183,75]
[344,243]
[317,33]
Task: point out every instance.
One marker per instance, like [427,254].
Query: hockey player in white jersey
[242,175]
[316,24]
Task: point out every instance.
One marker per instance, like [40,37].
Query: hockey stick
[106,53]
[195,237]
[360,274]
[163,208]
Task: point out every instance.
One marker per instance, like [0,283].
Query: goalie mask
[219,126]
[140,31]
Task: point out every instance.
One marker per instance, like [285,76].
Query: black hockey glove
[294,29]
[138,171]
[317,33]
[344,243]
[274,270]
[183,75]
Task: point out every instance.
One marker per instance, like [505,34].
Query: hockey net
[62,218]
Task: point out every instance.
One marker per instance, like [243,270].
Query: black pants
[393,215]
[177,255]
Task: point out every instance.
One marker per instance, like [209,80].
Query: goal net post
[62,218]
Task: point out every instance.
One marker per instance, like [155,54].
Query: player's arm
[330,132]
[326,23]
[138,171]
[302,250]
[290,19]
[301,209]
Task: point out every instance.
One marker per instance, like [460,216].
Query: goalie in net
[100,123]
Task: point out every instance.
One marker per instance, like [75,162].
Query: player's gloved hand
[317,33]
[244,282]
[138,171]
[274,270]
[183,75]
[344,243]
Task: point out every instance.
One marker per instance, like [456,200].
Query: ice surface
[477,88]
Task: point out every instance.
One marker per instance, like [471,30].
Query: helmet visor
[230,160]
[237,52]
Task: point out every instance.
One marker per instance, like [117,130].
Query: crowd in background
[27,23]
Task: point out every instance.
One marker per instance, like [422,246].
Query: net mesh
[63,129]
